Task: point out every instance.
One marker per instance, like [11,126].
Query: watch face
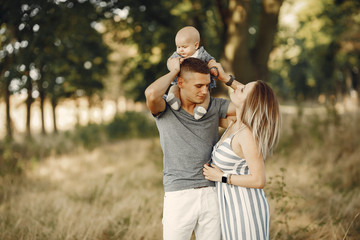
[224,179]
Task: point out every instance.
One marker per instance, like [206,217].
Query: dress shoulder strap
[222,136]
[240,129]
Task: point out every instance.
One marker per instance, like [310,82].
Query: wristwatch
[228,83]
[224,178]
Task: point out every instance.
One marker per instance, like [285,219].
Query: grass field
[115,190]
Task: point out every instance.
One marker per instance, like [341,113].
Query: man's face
[194,87]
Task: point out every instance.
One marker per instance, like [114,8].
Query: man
[190,202]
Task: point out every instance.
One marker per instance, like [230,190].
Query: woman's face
[240,94]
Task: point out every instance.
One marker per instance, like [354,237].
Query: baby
[187,45]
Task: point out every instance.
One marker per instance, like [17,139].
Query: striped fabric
[244,212]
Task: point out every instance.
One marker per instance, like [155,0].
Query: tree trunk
[77,110]
[42,101]
[7,95]
[53,105]
[265,39]
[238,57]
[29,101]
[357,86]
[89,107]
[236,52]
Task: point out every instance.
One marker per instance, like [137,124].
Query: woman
[238,162]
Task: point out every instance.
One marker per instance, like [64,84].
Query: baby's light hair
[190,32]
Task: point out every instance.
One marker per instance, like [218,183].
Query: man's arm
[155,91]
[225,122]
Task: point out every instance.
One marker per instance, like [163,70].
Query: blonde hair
[261,114]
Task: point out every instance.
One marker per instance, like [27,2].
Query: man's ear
[180,82]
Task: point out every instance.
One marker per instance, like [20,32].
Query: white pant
[191,210]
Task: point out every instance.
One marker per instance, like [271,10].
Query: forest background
[79,152]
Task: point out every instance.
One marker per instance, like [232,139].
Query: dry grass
[115,191]
[315,179]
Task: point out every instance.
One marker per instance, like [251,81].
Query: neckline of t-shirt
[192,116]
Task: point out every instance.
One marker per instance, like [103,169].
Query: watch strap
[228,83]
[224,178]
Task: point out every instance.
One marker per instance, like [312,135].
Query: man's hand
[154,92]
[174,64]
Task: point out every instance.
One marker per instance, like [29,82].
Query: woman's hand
[221,75]
[212,173]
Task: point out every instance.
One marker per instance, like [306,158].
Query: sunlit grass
[115,191]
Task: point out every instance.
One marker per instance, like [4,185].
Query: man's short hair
[194,65]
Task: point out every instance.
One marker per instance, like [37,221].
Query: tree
[318,51]
[63,54]
[250,28]
[238,33]
[10,18]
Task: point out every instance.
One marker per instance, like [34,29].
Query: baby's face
[185,46]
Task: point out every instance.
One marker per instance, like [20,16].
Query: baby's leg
[201,109]
[173,97]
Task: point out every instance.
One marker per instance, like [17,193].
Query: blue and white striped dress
[244,212]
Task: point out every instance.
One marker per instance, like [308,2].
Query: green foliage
[89,136]
[131,124]
[9,158]
[13,155]
[51,49]
[71,49]
[319,51]
[277,190]
[151,28]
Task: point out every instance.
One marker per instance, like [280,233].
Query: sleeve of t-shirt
[161,113]
[222,106]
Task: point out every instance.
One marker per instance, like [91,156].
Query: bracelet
[228,179]
[228,83]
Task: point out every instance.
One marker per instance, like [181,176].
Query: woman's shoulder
[243,135]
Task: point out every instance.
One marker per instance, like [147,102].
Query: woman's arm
[256,178]
[223,76]
[226,78]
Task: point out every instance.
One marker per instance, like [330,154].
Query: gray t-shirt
[187,144]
